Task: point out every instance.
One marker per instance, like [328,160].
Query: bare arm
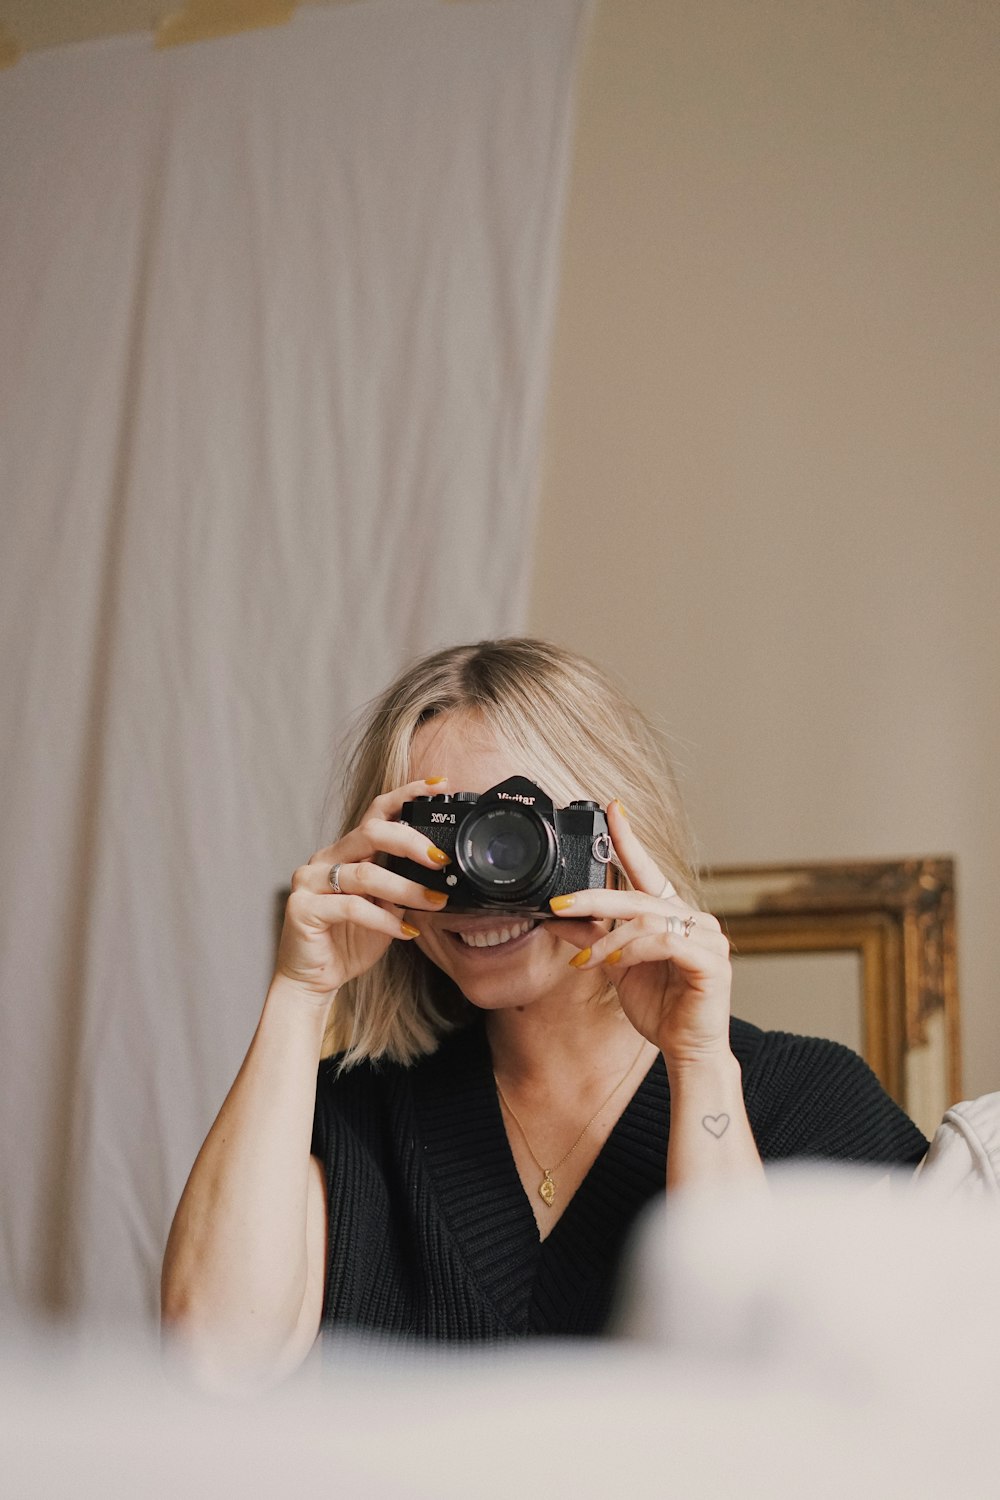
[670,965]
[710,1137]
[242,1286]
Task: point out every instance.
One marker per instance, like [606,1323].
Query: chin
[486,997]
[495,992]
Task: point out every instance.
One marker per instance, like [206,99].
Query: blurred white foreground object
[816,1339]
[964,1157]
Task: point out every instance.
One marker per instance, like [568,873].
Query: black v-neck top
[432,1237]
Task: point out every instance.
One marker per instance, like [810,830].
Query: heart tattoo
[716,1125]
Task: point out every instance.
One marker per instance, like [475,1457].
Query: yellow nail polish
[562,903]
[409,931]
[434,780]
[622,808]
[614,957]
[579,959]
[436,898]
[438,855]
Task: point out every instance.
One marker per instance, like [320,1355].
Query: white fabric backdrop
[274,314]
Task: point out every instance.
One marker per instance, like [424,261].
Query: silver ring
[680,925]
[689,922]
[668,890]
[335,880]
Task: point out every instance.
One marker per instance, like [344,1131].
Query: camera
[510,848]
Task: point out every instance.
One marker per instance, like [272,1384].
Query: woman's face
[525,961]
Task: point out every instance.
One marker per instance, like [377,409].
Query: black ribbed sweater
[431,1235]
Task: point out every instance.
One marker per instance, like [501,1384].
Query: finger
[693,959]
[582,934]
[389,804]
[640,867]
[622,905]
[386,809]
[657,945]
[310,911]
[376,836]
[367,879]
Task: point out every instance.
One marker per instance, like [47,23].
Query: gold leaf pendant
[547,1189]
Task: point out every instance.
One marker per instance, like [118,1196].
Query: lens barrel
[506,852]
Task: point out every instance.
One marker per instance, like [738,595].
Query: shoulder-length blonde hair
[579,736]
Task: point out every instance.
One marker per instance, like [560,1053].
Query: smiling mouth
[494,937]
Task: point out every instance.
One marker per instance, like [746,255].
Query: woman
[505,1094]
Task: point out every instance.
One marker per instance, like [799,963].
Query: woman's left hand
[668,961]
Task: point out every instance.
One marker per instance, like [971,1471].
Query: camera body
[511,850]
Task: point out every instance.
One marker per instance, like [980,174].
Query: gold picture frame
[899,917]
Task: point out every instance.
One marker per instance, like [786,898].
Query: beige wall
[770,498]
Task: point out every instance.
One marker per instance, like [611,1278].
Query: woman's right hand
[329,938]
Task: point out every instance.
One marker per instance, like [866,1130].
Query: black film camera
[510,848]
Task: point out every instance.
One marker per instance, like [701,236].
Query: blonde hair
[579,736]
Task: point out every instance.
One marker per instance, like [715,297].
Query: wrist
[287,993]
[702,1066]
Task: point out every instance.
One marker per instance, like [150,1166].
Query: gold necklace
[547,1187]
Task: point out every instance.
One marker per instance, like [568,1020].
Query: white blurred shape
[819,1340]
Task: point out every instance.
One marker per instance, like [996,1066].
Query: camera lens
[508,853]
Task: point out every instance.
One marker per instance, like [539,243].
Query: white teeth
[495,936]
